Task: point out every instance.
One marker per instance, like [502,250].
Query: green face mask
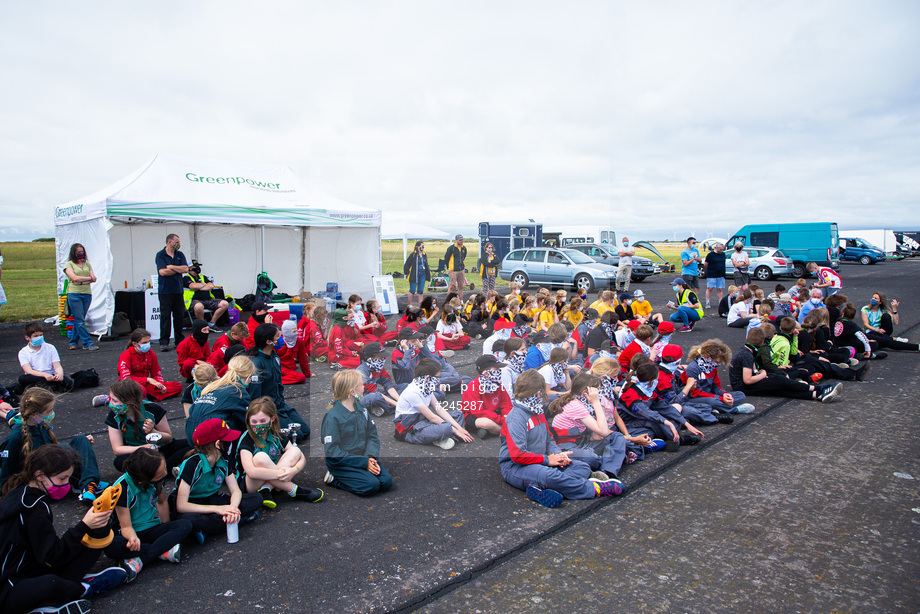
[261,430]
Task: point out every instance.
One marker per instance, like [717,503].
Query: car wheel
[584,282]
[638,279]
[798,269]
[520,277]
[763,273]
[865,260]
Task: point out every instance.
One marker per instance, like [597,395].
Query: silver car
[606,255]
[766,263]
[552,266]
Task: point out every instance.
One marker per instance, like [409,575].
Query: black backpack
[88,378]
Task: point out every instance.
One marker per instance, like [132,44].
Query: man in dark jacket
[453,259]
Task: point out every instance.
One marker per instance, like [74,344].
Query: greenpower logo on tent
[228,180]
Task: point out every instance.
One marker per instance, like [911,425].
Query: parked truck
[566,235]
[507,236]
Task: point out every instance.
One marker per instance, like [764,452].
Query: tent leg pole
[263,248]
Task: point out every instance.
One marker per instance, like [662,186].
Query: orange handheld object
[104,502]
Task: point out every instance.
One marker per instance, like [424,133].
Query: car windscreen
[577,257]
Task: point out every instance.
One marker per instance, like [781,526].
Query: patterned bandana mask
[376,364]
[707,364]
[427,384]
[583,397]
[670,367]
[432,347]
[591,323]
[559,370]
[490,380]
[520,331]
[516,361]
[665,339]
[607,388]
[545,349]
[645,349]
[533,404]
[608,328]
[646,388]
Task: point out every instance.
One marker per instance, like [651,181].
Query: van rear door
[833,254]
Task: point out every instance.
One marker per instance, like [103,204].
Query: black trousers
[62,586]
[779,386]
[172,306]
[154,541]
[27,381]
[174,453]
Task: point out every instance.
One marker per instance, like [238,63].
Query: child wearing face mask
[556,374]
[700,383]
[146,532]
[267,381]
[41,363]
[375,316]
[380,392]
[640,344]
[450,334]
[360,320]
[314,332]
[31,429]
[269,461]
[530,459]
[450,379]
[293,352]
[343,346]
[132,419]
[260,315]
[198,497]
[741,310]
[515,350]
[645,412]
[193,350]
[626,334]
[350,442]
[137,362]
[420,418]
[485,402]
[42,570]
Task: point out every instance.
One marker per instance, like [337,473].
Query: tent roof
[216,191]
[411,230]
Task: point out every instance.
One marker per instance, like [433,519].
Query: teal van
[803,243]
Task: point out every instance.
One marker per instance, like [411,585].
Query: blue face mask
[37,342]
[873,302]
[630,337]
[143,347]
[666,339]
[625,243]
[647,388]
[279,343]
[670,367]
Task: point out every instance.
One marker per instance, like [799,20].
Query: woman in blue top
[879,319]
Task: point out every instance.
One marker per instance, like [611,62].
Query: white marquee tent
[411,230]
[237,219]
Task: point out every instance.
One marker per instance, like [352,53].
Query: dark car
[605,254]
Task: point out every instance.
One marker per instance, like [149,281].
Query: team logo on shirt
[838,329]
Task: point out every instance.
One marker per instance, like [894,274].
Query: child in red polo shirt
[485,402]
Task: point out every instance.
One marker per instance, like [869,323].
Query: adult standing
[690,261]
[79,295]
[488,267]
[453,260]
[829,281]
[715,272]
[742,262]
[417,272]
[688,310]
[624,268]
[171,266]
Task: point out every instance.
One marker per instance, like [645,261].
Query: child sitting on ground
[41,363]
[701,384]
[313,330]
[293,353]
[350,442]
[420,419]
[485,402]
[531,460]
[380,392]
[194,349]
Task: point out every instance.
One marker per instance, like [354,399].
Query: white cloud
[658,117]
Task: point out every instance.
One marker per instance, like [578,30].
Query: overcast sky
[659,118]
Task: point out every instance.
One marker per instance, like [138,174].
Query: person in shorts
[197,294]
[741,261]
[714,266]
[453,259]
[690,264]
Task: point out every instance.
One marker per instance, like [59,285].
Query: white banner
[152,315]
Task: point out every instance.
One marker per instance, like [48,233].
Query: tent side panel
[232,255]
[282,257]
[348,256]
[94,236]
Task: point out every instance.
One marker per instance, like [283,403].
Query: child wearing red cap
[670,384]
[701,382]
[198,495]
[665,331]
[640,345]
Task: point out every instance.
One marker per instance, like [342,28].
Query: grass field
[31,287]
[29,281]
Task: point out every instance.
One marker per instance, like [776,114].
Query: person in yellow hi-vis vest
[688,309]
[453,260]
